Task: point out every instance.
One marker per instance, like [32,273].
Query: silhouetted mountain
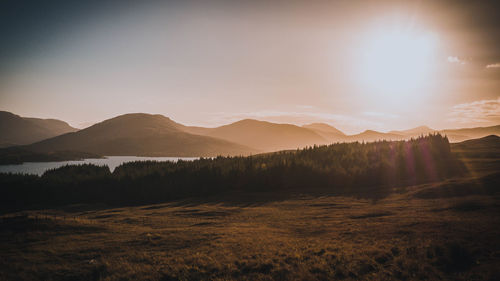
[458,135]
[328,132]
[17,130]
[267,136]
[141,135]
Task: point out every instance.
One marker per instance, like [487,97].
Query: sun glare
[397,64]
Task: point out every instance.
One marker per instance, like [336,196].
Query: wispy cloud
[493,65]
[305,106]
[482,111]
[380,115]
[457,60]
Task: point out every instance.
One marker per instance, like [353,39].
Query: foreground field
[305,238]
[447,230]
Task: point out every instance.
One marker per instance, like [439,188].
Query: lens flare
[397,64]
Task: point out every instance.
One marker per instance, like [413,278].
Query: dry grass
[441,231]
[302,238]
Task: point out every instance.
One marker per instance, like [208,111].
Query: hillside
[328,132]
[353,211]
[370,135]
[491,142]
[415,132]
[267,136]
[141,135]
[458,135]
[17,130]
[484,152]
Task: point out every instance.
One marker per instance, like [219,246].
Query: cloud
[493,65]
[457,60]
[305,106]
[482,111]
[380,115]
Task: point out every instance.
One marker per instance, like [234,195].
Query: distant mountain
[156,135]
[193,129]
[266,136]
[454,135]
[370,135]
[330,133]
[140,135]
[458,135]
[17,130]
[415,132]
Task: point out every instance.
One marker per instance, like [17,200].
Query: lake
[38,168]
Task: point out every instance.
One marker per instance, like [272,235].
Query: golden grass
[301,238]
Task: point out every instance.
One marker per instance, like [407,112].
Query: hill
[482,152]
[489,142]
[458,135]
[17,130]
[267,136]
[141,135]
[328,132]
[415,132]
[370,135]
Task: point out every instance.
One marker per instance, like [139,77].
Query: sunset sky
[383,66]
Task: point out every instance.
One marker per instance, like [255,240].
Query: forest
[362,169]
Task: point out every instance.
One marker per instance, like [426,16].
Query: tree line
[340,168]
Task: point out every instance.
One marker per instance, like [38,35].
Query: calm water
[38,168]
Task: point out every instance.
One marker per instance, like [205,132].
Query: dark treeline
[343,168]
[19,155]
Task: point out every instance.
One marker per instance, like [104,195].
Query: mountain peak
[249,121]
[17,130]
[423,127]
[137,115]
[370,132]
[324,128]
[135,124]
[420,130]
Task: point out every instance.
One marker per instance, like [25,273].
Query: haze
[386,65]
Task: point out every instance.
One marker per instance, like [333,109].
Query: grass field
[441,231]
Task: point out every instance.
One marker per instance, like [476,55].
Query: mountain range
[140,135]
[143,134]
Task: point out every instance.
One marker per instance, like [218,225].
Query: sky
[356,65]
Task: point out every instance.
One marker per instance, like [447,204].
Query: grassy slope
[306,238]
[406,236]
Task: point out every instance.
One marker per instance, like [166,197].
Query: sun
[396,64]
